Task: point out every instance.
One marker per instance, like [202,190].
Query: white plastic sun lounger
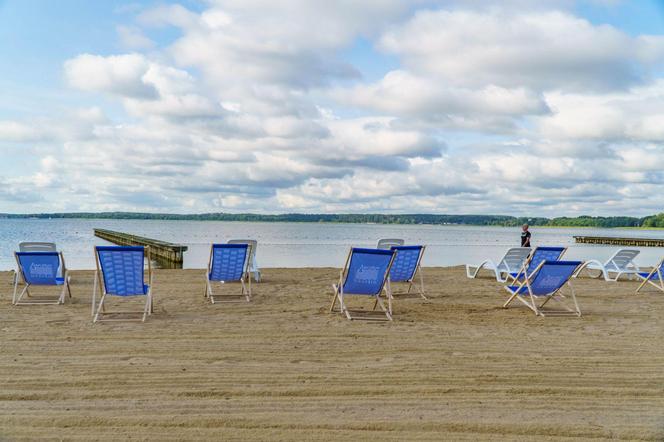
[621,263]
[510,263]
[387,243]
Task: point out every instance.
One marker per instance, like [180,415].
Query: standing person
[525,236]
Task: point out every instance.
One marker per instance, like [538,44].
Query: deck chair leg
[422,285]
[645,281]
[509,301]
[100,308]
[336,296]
[15,290]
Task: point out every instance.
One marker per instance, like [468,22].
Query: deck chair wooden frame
[529,298]
[655,274]
[245,279]
[360,314]
[522,273]
[100,314]
[20,277]
[411,281]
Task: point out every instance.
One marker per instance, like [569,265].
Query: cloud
[541,50]
[133,38]
[479,107]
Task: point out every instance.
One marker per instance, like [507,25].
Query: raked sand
[282,368]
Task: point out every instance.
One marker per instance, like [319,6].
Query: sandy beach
[457,367]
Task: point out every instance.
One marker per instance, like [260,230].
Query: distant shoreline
[623,222]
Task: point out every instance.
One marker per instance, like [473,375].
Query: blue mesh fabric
[40,268]
[366,271]
[405,263]
[122,269]
[544,254]
[551,276]
[228,262]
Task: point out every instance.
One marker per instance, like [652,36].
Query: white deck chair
[511,262]
[621,263]
[388,243]
[253,263]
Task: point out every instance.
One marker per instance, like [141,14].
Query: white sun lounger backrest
[252,243]
[622,259]
[388,243]
[28,246]
[514,259]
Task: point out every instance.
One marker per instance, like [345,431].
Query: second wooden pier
[617,241]
[167,254]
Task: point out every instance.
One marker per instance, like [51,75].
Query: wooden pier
[616,241]
[167,254]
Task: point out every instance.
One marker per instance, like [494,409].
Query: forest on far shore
[474,220]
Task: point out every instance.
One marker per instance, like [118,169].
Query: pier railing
[617,241]
[167,254]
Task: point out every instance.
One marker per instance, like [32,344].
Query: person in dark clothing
[525,236]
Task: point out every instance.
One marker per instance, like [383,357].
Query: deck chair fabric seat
[228,263]
[621,263]
[654,278]
[121,273]
[366,273]
[545,283]
[536,257]
[40,269]
[406,266]
[510,263]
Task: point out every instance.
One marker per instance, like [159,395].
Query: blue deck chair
[366,273]
[545,283]
[406,266]
[121,272]
[40,269]
[655,277]
[537,256]
[229,263]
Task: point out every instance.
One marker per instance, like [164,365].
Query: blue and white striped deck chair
[366,273]
[406,266]
[121,273]
[229,263]
[545,284]
[40,269]
[655,277]
[537,256]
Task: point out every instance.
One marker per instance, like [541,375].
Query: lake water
[306,244]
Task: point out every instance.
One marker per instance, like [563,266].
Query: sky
[518,107]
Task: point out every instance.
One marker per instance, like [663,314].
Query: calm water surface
[306,244]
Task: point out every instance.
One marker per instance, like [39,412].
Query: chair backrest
[122,269]
[28,246]
[252,242]
[514,259]
[552,275]
[228,262]
[387,243]
[367,271]
[544,254]
[623,258]
[406,261]
[39,268]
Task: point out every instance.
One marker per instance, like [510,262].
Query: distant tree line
[475,220]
